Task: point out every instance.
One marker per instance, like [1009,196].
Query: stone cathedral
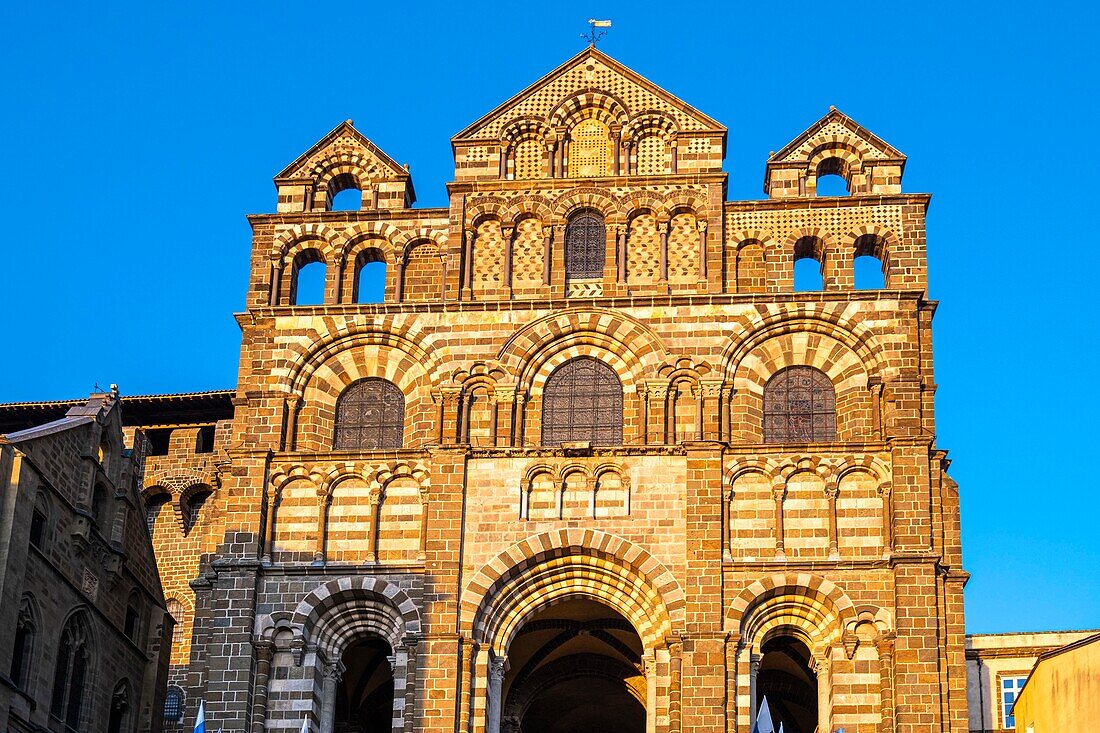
[606,451]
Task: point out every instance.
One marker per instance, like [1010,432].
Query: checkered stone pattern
[705,536]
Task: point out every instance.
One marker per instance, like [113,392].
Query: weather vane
[595,33]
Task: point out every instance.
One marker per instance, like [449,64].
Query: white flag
[305,725]
[763,722]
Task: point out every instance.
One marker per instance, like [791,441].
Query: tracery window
[583,401]
[23,648]
[585,245]
[799,406]
[370,415]
[71,673]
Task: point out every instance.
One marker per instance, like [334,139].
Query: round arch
[557,566]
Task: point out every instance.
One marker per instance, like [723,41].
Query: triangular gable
[635,92]
[342,140]
[836,125]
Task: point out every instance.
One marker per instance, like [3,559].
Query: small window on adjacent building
[1010,690]
[158,439]
[133,618]
[173,705]
[38,523]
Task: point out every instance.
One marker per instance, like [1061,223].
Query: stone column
[885,491]
[885,646]
[323,499]
[276,282]
[702,225]
[509,234]
[662,227]
[332,674]
[649,667]
[265,650]
[550,159]
[656,395]
[824,692]
[503,159]
[409,649]
[674,142]
[675,664]
[497,667]
[754,670]
[874,384]
[831,491]
[779,492]
[341,263]
[374,500]
[621,252]
[616,145]
[422,553]
[293,403]
[467,287]
[547,261]
[401,262]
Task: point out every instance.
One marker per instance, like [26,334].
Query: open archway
[787,681]
[364,695]
[574,667]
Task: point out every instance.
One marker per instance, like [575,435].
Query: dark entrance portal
[787,680]
[364,698]
[575,668]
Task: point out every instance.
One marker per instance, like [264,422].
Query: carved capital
[334,671]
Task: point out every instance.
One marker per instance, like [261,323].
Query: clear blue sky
[138,135]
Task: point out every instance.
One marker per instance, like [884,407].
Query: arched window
[344,193]
[120,708]
[799,406]
[370,415]
[808,264]
[71,672]
[23,649]
[307,285]
[583,401]
[370,277]
[173,704]
[154,503]
[179,614]
[191,502]
[585,245]
[832,178]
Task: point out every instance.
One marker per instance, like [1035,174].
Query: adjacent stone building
[607,451]
[85,643]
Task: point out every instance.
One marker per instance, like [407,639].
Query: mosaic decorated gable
[600,115]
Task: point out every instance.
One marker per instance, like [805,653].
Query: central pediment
[591,117]
[589,78]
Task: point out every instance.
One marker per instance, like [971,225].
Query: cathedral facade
[593,459]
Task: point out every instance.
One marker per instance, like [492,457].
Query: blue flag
[200,719]
[763,722]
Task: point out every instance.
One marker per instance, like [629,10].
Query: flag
[599,23]
[763,722]
[200,719]
[780,727]
[305,725]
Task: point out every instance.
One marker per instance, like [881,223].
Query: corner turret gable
[344,158]
[835,144]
